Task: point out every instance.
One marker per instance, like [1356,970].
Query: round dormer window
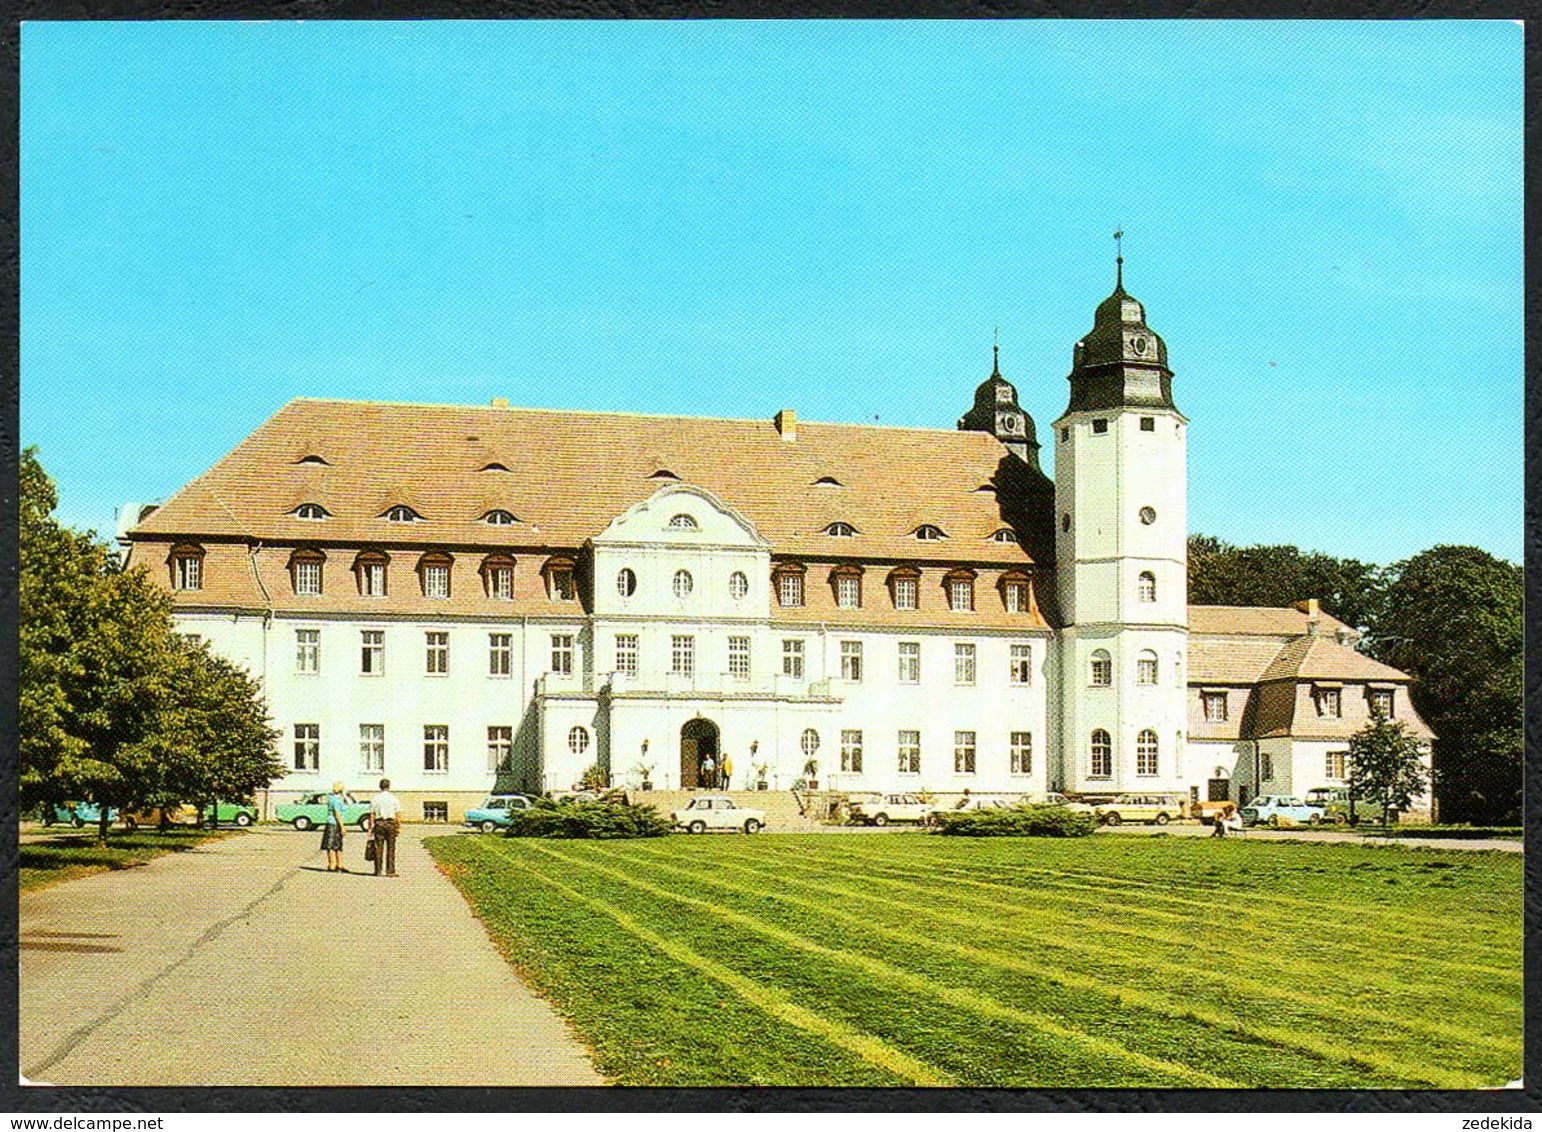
[1148,515]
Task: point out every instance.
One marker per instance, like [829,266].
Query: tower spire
[1119,259]
[996,353]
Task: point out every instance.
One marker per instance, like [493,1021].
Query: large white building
[470,599]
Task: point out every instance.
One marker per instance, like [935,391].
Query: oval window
[626,582]
[738,585]
[1148,515]
[683,583]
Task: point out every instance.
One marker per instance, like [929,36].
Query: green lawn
[846,959]
[70,855]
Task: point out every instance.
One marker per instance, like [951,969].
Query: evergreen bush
[1018,821]
[588,819]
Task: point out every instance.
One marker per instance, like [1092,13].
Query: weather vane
[1119,253]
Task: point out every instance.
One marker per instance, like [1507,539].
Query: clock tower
[1121,557]
[997,412]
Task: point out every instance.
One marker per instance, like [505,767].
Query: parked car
[77,814]
[497,811]
[716,811]
[1208,810]
[1154,809]
[311,811]
[1337,809]
[242,814]
[881,809]
[1055,798]
[1278,809]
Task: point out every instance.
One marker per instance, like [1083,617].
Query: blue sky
[724,219]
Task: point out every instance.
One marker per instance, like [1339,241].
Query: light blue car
[1280,809]
[77,814]
[497,812]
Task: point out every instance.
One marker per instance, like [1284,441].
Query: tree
[1386,765]
[1222,574]
[1452,620]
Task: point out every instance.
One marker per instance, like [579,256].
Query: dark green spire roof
[1121,361]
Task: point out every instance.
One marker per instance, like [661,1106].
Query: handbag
[369,849]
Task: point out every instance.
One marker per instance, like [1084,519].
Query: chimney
[1313,617]
[787,424]
[500,402]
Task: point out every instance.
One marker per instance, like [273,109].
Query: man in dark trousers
[384,824]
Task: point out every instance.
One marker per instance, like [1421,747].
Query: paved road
[244,962]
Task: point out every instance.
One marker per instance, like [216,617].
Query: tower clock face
[1008,422]
[1138,346]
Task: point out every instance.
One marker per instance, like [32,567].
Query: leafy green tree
[1223,574]
[1386,765]
[1452,620]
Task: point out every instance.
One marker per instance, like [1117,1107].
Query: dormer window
[847,583]
[683,522]
[1014,592]
[561,584]
[434,573]
[312,458]
[926,532]
[370,568]
[493,467]
[1005,534]
[960,588]
[828,481]
[663,474]
[310,511]
[305,571]
[498,518]
[401,513]
[788,580]
[498,577]
[905,586]
[187,567]
[840,530]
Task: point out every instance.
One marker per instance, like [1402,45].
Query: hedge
[1018,821]
[599,820]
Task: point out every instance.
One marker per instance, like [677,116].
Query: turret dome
[1121,361]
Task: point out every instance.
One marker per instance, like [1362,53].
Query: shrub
[599,820]
[1019,821]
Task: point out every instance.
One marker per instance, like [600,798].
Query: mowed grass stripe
[871,1049]
[1121,996]
[1145,933]
[1255,922]
[962,997]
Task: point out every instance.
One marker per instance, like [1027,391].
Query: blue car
[1280,809]
[497,811]
[77,814]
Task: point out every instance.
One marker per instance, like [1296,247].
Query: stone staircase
[781,806]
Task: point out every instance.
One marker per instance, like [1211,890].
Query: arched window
[498,576]
[369,570]
[1146,586]
[683,584]
[312,458]
[578,740]
[494,466]
[186,561]
[683,522]
[626,582]
[840,530]
[401,513]
[926,532]
[498,517]
[434,574]
[305,571]
[310,511]
[828,481]
[1102,755]
[1146,668]
[1102,669]
[738,585]
[809,743]
[663,474]
[1005,534]
[1146,752]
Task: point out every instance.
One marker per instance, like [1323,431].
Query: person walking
[728,769]
[384,825]
[332,835]
[708,772]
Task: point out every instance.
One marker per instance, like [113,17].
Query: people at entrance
[332,834]
[728,769]
[384,825]
[708,769]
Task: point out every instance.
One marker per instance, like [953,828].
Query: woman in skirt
[332,833]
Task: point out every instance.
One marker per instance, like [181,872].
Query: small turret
[997,412]
[1121,362]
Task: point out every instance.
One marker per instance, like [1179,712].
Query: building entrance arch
[698,739]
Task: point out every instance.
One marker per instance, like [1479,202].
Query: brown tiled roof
[1317,658]
[1229,660]
[571,473]
[1253,620]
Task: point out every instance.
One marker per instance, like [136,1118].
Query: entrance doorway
[698,739]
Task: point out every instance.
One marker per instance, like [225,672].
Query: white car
[882,809]
[1055,798]
[717,811]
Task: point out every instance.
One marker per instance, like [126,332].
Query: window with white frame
[1102,755]
[1381,702]
[401,514]
[307,650]
[928,533]
[739,657]
[1145,586]
[307,577]
[578,740]
[500,747]
[1336,762]
[500,654]
[840,530]
[848,591]
[311,511]
[1215,707]
[1146,752]
[910,752]
[436,580]
[436,748]
[562,654]
[1101,673]
[683,522]
[1015,595]
[436,811]
[372,652]
[808,742]
[789,589]
[498,518]
[189,572]
[963,752]
[307,746]
[626,654]
[371,747]
[738,585]
[372,578]
[961,595]
[1021,671]
[1328,701]
[851,661]
[437,660]
[500,583]
[851,752]
[905,592]
[560,584]
[626,582]
[963,663]
[1146,669]
[792,659]
[910,662]
[683,584]
[1022,752]
[682,655]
